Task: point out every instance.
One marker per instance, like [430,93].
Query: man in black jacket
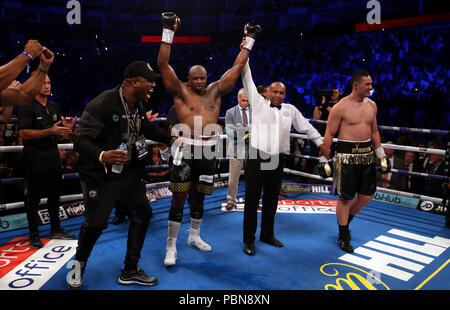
[114,117]
[39,126]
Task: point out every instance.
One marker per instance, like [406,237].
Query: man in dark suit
[409,183]
[433,187]
[237,121]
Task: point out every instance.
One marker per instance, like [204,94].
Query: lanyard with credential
[133,119]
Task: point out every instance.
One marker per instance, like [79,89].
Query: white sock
[171,248]
[173,229]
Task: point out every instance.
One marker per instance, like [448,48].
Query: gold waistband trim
[357,159]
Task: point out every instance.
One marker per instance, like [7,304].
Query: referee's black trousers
[261,175]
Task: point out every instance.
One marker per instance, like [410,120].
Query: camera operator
[325,99]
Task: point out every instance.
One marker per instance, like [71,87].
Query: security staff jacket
[103,126]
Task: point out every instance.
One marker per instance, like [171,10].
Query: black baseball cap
[140,68]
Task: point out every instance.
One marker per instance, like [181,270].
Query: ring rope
[69,146]
[381,189]
[400,129]
[391,146]
[399,171]
[382,127]
[72,197]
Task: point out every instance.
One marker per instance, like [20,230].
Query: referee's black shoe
[272,241]
[249,249]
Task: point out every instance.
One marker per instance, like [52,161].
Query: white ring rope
[69,146]
[392,146]
[382,127]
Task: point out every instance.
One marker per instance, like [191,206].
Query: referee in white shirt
[270,136]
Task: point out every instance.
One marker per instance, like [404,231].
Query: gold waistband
[357,159]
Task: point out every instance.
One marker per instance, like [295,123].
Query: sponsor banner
[75,209]
[430,206]
[307,188]
[404,201]
[18,221]
[12,222]
[14,252]
[315,206]
[396,255]
[66,211]
[25,268]
[154,194]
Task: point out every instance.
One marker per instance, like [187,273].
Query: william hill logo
[395,255]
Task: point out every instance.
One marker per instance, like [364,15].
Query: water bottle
[165,155]
[118,168]
[177,156]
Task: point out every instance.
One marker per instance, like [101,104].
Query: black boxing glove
[171,23]
[383,162]
[325,170]
[251,32]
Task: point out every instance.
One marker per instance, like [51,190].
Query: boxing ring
[399,244]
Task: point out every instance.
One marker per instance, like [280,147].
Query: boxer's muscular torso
[356,118]
[193,102]
[203,108]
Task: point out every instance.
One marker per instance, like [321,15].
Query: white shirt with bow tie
[271,127]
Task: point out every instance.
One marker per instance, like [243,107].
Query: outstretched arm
[169,77]
[300,123]
[256,100]
[228,79]
[12,69]
[171,23]
[24,94]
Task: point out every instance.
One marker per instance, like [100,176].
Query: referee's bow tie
[275,106]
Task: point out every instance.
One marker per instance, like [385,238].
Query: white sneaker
[171,257]
[171,253]
[197,242]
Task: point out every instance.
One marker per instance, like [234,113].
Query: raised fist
[46,58]
[252,30]
[34,48]
[171,21]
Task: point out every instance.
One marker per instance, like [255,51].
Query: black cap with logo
[140,68]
